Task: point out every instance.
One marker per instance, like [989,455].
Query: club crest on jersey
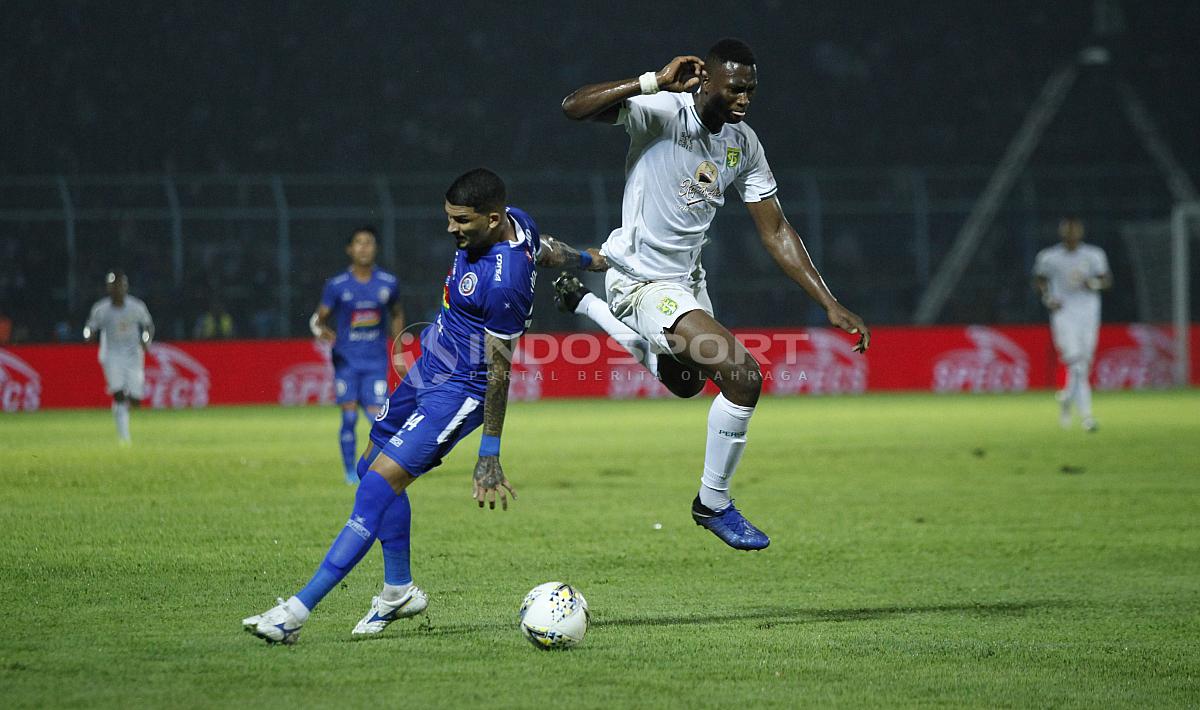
[706,174]
[733,156]
[467,285]
[384,293]
[668,306]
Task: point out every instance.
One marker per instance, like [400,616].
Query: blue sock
[372,499]
[393,537]
[349,419]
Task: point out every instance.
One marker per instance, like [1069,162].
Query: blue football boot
[729,525]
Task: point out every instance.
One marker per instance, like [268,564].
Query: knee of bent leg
[744,384]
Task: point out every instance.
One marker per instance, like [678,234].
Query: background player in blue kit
[354,305]
[459,382]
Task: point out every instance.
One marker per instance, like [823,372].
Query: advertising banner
[814,361]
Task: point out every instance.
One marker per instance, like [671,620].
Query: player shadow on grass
[769,617]
[779,615]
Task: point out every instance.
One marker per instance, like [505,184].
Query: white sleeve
[1041,265]
[755,181]
[646,115]
[147,321]
[147,324]
[93,322]
[1101,262]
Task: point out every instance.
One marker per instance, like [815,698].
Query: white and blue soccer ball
[554,615]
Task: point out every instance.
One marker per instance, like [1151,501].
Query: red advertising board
[813,361]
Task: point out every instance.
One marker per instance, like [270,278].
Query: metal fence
[261,246]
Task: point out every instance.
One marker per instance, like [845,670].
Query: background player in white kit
[123,325]
[1069,276]
[685,153]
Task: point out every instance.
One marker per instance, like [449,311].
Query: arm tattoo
[556,254]
[495,402]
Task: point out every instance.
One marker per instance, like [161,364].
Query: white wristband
[649,82]
[314,325]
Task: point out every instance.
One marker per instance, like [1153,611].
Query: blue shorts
[416,428]
[367,387]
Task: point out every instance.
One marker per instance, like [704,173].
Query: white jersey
[1067,273]
[676,176]
[120,328]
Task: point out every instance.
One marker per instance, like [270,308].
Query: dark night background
[138,87]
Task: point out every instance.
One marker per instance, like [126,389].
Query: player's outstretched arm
[91,329]
[602,102]
[786,247]
[556,254]
[147,325]
[489,480]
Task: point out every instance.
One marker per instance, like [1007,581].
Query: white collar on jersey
[517,229]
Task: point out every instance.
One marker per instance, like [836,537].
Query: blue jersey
[483,293]
[361,313]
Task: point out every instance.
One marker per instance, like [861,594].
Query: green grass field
[953,551]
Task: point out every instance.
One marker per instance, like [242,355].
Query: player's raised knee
[743,384]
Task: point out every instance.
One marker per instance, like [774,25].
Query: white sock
[596,309]
[395,592]
[727,426]
[121,415]
[297,608]
[1081,390]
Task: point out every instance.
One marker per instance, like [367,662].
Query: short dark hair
[479,189]
[731,49]
[369,230]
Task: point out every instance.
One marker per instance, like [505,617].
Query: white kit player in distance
[1069,276]
[686,151]
[124,328]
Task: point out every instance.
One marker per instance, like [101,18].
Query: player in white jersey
[124,328]
[686,151]
[1069,276]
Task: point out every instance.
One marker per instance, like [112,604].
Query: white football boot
[276,625]
[383,612]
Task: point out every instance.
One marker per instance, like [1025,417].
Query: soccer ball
[554,615]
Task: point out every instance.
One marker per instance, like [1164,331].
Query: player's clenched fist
[682,74]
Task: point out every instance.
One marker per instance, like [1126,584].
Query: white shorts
[126,376]
[1074,338]
[651,307]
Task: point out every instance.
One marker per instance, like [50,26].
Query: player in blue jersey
[354,307]
[459,382]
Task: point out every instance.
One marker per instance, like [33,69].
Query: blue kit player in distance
[354,306]
[459,382]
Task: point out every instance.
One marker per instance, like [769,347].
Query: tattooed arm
[489,476]
[557,254]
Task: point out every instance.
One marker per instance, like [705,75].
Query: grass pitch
[959,551]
